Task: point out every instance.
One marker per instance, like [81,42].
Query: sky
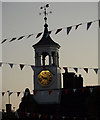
[78,49]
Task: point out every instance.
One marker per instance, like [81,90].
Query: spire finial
[45,12]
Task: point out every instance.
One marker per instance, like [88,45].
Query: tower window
[53,58]
[45,59]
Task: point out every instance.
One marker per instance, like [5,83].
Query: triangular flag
[39,116]
[83,89]
[20,37]
[29,35]
[10,93]
[86,70]
[74,90]
[76,70]
[0,64]
[91,90]
[99,23]
[13,39]
[96,70]
[32,66]
[49,32]
[57,117]
[18,93]
[66,91]
[58,30]
[4,41]
[3,93]
[69,29]
[21,66]
[38,35]
[77,26]
[11,65]
[50,91]
[63,117]
[88,25]
[34,92]
[66,69]
[51,117]
[44,67]
[45,116]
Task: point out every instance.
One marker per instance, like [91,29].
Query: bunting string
[50,91]
[68,29]
[76,69]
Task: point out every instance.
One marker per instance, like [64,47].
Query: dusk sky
[78,49]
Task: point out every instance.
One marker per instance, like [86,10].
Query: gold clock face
[45,78]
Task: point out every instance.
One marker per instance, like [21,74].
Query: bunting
[86,70]
[18,93]
[88,25]
[50,92]
[96,70]
[13,39]
[3,93]
[69,29]
[21,66]
[57,31]
[77,26]
[0,64]
[11,65]
[4,41]
[76,69]
[20,37]
[38,35]
[29,35]
[10,93]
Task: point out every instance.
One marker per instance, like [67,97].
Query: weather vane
[45,12]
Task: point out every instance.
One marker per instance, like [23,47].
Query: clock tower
[47,73]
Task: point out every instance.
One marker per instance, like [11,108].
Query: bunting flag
[0,64]
[88,25]
[38,35]
[34,92]
[66,69]
[10,93]
[66,91]
[77,26]
[91,90]
[50,92]
[99,23]
[18,93]
[13,39]
[29,35]
[3,93]
[49,32]
[69,29]
[21,66]
[3,41]
[20,37]
[76,70]
[44,67]
[86,70]
[32,67]
[83,90]
[58,30]
[74,90]
[11,65]
[96,70]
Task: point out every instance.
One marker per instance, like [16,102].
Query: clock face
[45,78]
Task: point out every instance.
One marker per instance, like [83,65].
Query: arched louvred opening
[53,59]
[44,59]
